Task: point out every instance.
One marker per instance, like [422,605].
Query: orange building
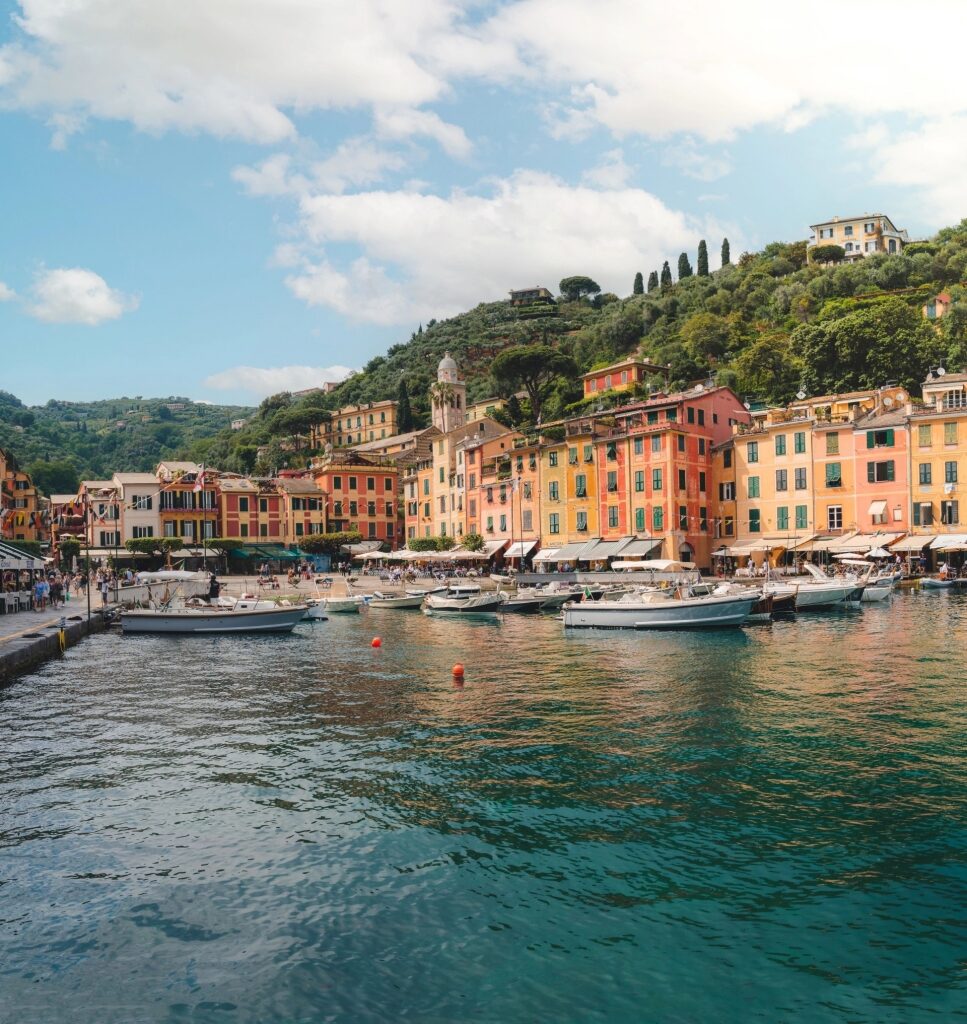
[622,376]
[507,497]
[188,506]
[20,514]
[360,494]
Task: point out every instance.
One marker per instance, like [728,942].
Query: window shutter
[870,471]
[889,468]
[870,442]
[889,439]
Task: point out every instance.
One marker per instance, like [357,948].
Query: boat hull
[930,583]
[282,620]
[710,613]
[809,596]
[436,605]
[412,601]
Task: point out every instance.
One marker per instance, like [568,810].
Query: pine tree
[726,256]
[702,259]
[684,267]
[404,414]
[653,280]
[639,288]
[666,275]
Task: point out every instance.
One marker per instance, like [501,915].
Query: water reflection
[760,824]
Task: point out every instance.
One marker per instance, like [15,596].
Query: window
[442,477]
[552,458]
[656,475]
[727,491]
[869,227]
[701,417]
[653,417]
[802,520]
[426,485]
[701,483]
[337,483]
[639,480]
[834,517]
[923,435]
[612,481]
[580,485]
[703,519]
[612,452]
[878,472]
[728,526]
[553,523]
[954,399]
[832,443]
[553,491]
[799,439]
[926,473]
[572,456]
[780,444]
[834,474]
[658,519]
[243,504]
[354,508]
[527,520]
[503,524]
[656,443]
[263,529]
[581,521]
[370,508]
[753,487]
[589,452]
[801,478]
[143,531]
[950,512]
[950,472]
[672,415]
[337,508]
[387,483]
[848,230]
[782,518]
[883,438]
[923,513]
[352,483]
[142,503]
[690,414]
[681,442]
[612,516]
[681,480]
[950,433]
[727,458]
[639,520]
[683,518]
[490,523]
[639,446]
[752,451]
[755,520]
[782,480]
[701,446]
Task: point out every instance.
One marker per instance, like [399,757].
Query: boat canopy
[171,576]
[655,565]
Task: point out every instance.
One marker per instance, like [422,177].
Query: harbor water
[766,824]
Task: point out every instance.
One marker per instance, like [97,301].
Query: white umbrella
[880,553]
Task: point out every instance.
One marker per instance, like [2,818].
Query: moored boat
[380,600]
[343,605]
[464,599]
[210,619]
[936,583]
[673,608]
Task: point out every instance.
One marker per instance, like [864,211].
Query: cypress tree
[404,414]
[639,288]
[666,275]
[653,280]
[684,267]
[726,255]
[702,259]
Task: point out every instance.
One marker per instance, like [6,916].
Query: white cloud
[696,162]
[76,296]
[270,380]
[927,160]
[402,123]
[612,172]
[425,255]
[7,294]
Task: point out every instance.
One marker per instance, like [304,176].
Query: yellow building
[357,424]
[20,514]
[860,236]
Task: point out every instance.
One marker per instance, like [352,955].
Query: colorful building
[360,494]
[623,376]
[21,517]
[860,236]
[188,501]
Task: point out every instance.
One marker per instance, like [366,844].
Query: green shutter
[889,468]
[889,439]
[870,441]
[871,472]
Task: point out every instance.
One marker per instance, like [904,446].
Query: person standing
[104,587]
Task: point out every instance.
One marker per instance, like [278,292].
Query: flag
[200,479]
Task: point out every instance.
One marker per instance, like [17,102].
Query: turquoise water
[759,825]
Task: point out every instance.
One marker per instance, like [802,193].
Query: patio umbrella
[880,553]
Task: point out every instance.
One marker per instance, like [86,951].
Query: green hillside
[61,443]
[767,325]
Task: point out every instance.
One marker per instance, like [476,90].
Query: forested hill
[767,324]
[61,443]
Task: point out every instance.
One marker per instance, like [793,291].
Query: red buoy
[376,642]
[458,671]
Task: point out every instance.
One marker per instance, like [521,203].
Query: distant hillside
[62,442]
[767,325]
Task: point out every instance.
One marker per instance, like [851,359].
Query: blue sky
[264,197]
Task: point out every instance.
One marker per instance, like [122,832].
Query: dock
[28,639]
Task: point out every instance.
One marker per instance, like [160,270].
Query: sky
[227,199]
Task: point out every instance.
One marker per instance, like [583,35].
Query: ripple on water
[748,825]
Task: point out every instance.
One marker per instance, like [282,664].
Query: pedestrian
[104,588]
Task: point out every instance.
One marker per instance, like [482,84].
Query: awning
[278,552]
[915,543]
[520,549]
[786,540]
[861,542]
[749,547]
[362,548]
[546,555]
[877,508]
[570,552]
[598,550]
[640,546]
[491,547]
[949,540]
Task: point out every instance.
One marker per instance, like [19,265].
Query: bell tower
[448,397]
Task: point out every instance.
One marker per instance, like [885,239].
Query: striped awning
[914,542]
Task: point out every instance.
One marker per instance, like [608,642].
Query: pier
[28,639]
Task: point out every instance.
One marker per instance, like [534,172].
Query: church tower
[448,397]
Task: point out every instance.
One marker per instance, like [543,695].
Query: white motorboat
[343,605]
[380,600]
[210,619]
[819,591]
[465,599]
[316,610]
[935,583]
[523,603]
[878,590]
[671,608]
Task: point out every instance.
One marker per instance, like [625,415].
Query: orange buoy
[458,671]
[376,642]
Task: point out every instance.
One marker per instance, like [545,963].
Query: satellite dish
[940,371]
[901,396]
[800,395]
[887,401]
[747,405]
